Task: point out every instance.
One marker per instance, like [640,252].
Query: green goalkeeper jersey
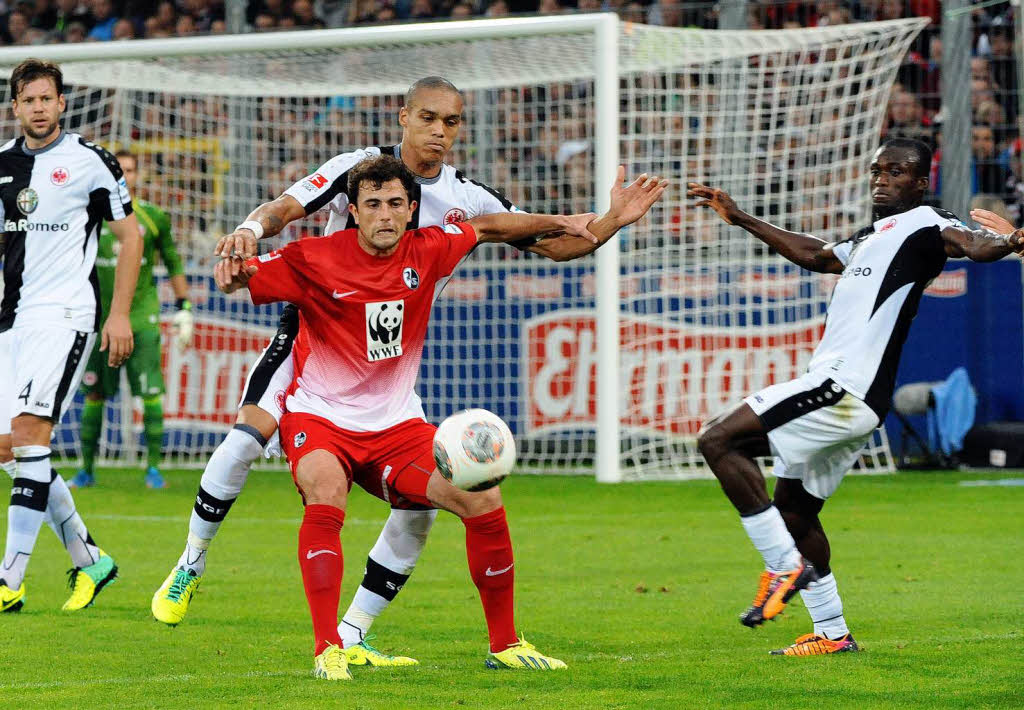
[155,226]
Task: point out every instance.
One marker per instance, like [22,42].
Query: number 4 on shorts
[26,393]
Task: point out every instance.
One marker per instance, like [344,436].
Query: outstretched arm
[980,244]
[803,250]
[272,216]
[628,204]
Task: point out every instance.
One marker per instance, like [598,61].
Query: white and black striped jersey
[52,203]
[448,198]
[887,268]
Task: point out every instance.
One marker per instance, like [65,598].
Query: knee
[326,490]
[713,441]
[30,430]
[5,449]
[469,505]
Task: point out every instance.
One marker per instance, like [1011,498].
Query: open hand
[991,221]
[630,203]
[718,200]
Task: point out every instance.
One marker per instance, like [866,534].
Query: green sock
[153,425]
[92,424]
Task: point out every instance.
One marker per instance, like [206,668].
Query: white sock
[825,607]
[67,524]
[388,566]
[767,530]
[25,515]
[222,481]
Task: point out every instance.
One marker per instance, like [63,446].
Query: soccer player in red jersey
[364,298]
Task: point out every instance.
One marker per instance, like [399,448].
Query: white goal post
[604,365]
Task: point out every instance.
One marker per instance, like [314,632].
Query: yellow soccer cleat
[332,664]
[11,600]
[523,655]
[363,654]
[170,603]
[87,582]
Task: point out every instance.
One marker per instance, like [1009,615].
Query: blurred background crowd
[545,129]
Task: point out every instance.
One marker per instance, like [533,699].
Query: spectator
[69,11]
[76,32]
[549,7]
[1004,68]
[462,11]
[988,174]
[264,22]
[185,26]
[906,118]
[421,10]
[362,12]
[166,15]
[218,27]
[305,15]
[497,8]
[104,20]
[17,27]
[43,15]
[123,29]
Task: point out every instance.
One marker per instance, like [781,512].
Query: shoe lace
[365,643]
[764,584]
[179,586]
[73,578]
[333,657]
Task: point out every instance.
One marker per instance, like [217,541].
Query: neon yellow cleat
[11,600]
[87,582]
[332,664]
[523,655]
[363,654]
[170,603]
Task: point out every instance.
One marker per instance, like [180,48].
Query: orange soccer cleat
[774,590]
[815,645]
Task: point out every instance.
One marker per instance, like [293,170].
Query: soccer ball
[474,449]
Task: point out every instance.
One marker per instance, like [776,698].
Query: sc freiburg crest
[411,278]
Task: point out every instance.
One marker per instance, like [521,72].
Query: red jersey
[363,320]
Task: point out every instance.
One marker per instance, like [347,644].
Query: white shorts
[816,430]
[42,367]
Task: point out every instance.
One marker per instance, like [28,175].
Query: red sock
[489,550]
[322,566]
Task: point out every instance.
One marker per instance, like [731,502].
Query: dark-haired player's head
[430,119]
[129,166]
[37,98]
[899,176]
[380,199]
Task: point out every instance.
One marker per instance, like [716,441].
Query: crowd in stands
[526,133]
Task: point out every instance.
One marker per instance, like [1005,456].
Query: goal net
[784,120]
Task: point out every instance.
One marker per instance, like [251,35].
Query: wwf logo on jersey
[384,329]
[411,278]
[28,200]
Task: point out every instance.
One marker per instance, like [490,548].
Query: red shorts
[394,464]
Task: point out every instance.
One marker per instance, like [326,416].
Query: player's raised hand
[232,274]
[116,337]
[991,221]
[718,200]
[632,202]
[241,242]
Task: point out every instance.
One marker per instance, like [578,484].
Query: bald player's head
[430,83]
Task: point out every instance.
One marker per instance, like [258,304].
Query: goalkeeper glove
[182,324]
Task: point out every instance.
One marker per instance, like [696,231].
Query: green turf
[636,586]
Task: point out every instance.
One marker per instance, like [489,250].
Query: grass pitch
[636,586]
